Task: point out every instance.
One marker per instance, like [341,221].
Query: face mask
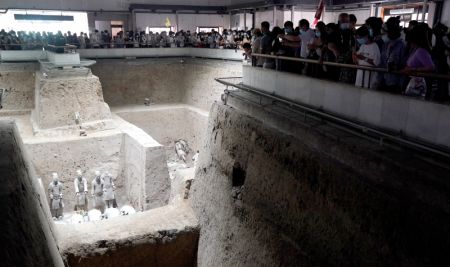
[302,31]
[362,41]
[385,38]
[446,41]
[288,30]
[345,26]
[318,34]
[370,32]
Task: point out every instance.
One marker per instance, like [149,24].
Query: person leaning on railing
[368,55]
[256,48]
[247,51]
[266,45]
[419,60]
[347,36]
[374,26]
[315,47]
[276,43]
[331,50]
[58,43]
[392,56]
[10,41]
[95,39]
[438,53]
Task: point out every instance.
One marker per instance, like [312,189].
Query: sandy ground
[177,217]
[166,236]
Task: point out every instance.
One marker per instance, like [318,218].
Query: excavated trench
[138,151]
[168,124]
[271,187]
[26,228]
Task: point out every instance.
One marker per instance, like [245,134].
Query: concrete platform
[34,55]
[414,118]
[61,59]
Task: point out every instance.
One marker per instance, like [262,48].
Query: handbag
[416,87]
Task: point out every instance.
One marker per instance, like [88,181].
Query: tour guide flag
[168,22]
[318,12]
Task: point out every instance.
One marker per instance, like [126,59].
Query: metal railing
[67,48]
[38,46]
[356,67]
[382,136]
[61,48]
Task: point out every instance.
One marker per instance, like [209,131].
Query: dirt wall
[89,155]
[125,82]
[166,124]
[18,81]
[281,193]
[27,233]
[163,81]
[58,99]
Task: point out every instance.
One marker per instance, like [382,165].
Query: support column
[292,13]
[133,21]
[432,14]
[254,18]
[176,21]
[275,15]
[424,9]
[245,20]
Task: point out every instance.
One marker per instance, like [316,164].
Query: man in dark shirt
[348,44]
[266,44]
[266,40]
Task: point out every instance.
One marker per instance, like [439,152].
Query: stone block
[63,59]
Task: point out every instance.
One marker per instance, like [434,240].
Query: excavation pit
[163,232]
[135,143]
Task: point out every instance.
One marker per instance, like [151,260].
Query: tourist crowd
[36,40]
[401,52]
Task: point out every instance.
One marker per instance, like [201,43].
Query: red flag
[318,12]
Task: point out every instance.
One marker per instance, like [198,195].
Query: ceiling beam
[271,3]
[174,8]
[312,3]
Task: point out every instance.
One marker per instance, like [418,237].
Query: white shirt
[305,39]
[95,38]
[256,49]
[373,52]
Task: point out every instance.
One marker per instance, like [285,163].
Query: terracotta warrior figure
[81,190]
[97,192]
[55,194]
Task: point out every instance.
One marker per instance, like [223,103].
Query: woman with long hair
[419,60]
